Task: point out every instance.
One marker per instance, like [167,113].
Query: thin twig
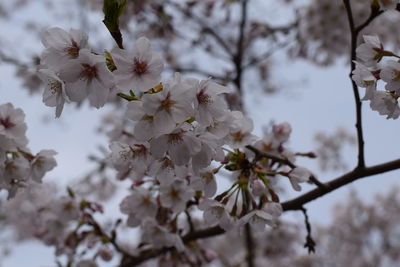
[205,28]
[260,154]
[310,243]
[199,71]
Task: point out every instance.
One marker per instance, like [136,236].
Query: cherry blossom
[87,76]
[175,195]
[365,78]
[371,51]
[139,205]
[12,127]
[208,104]
[298,175]
[62,46]
[42,162]
[170,106]
[388,4]
[139,68]
[390,73]
[54,94]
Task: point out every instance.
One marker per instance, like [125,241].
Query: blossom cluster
[173,139]
[370,67]
[63,222]
[18,166]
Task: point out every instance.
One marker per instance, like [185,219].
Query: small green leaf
[130,97]
[110,61]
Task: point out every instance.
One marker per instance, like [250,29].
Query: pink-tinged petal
[76,91]
[54,37]
[179,154]
[163,123]
[159,146]
[98,94]
[135,110]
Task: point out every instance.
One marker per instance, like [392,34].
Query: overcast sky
[312,99]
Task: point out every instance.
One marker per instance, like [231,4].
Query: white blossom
[215,212]
[54,94]
[170,106]
[43,162]
[62,46]
[87,76]
[12,127]
[240,133]
[140,204]
[208,103]
[364,77]
[390,73]
[371,50]
[180,145]
[159,236]
[386,104]
[388,4]
[175,195]
[298,175]
[139,68]
[204,181]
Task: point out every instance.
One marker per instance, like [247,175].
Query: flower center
[174,193]
[73,50]
[167,163]
[203,98]
[89,72]
[139,67]
[55,87]
[139,150]
[6,123]
[175,138]
[238,136]
[167,103]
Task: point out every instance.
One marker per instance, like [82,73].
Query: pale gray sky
[322,103]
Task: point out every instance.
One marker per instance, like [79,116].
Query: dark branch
[297,203]
[354,34]
[310,243]
[129,261]
[249,246]
[199,71]
[240,48]
[205,28]
[285,161]
[294,204]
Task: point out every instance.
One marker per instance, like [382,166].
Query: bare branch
[310,243]
[294,204]
[297,203]
[354,34]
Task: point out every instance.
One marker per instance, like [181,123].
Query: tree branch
[249,246]
[354,34]
[238,57]
[285,161]
[310,243]
[294,204]
[297,203]
[205,28]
